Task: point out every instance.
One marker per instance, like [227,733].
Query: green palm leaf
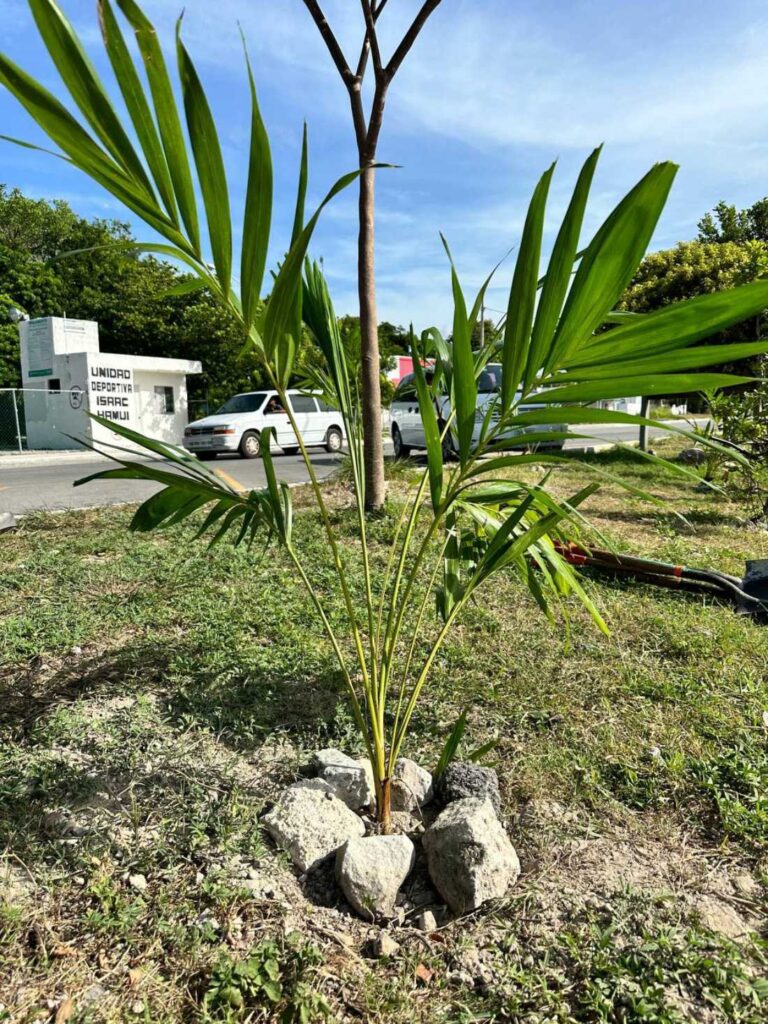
[258,209]
[80,78]
[522,294]
[610,260]
[167,115]
[136,102]
[209,162]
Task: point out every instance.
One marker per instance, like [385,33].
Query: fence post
[16,417]
[644,403]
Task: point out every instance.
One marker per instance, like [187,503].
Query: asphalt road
[49,485]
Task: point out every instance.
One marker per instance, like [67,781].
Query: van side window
[325,407]
[303,403]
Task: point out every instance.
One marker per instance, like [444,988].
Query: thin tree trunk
[367,134]
[384,805]
[369,337]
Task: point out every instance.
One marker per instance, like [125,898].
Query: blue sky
[493,92]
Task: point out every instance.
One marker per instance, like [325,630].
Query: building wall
[130,398]
[121,388]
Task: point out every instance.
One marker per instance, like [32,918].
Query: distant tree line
[731,249]
[131,296]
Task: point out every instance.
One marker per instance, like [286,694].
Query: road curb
[50,458]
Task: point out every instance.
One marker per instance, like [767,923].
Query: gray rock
[370,872]
[425,921]
[462,779]
[385,945]
[405,823]
[93,995]
[7,521]
[469,855]
[411,785]
[310,823]
[351,780]
[138,882]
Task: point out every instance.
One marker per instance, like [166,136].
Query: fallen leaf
[61,951]
[424,974]
[135,976]
[65,1010]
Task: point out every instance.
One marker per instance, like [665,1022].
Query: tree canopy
[727,224]
[128,296]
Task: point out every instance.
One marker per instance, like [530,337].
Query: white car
[237,425]
[405,418]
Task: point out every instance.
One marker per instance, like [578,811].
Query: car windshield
[243,403]
[489,379]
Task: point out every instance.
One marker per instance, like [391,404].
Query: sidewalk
[9,460]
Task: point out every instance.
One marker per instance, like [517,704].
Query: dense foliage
[727,224]
[128,295]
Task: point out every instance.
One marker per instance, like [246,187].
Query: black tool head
[755,584]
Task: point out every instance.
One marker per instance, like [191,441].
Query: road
[24,488]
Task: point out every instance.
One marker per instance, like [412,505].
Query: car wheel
[333,440]
[206,456]
[402,451]
[290,449]
[250,445]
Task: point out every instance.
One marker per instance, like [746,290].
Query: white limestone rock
[469,855]
[310,823]
[351,780]
[411,786]
[370,872]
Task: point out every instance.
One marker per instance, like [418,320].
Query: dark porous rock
[692,457]
[462,779]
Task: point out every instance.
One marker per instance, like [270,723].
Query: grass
[156,694]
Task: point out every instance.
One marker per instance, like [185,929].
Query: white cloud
[491,93]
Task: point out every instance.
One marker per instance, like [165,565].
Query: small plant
[472,514]
[736,781]
[740,421]
[274,978]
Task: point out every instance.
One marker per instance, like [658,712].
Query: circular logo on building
[76,397]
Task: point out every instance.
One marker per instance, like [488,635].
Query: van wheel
[290,449]
[333,440]
[250,445]
[402,451]
[206,456]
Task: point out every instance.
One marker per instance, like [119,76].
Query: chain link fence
[20,406]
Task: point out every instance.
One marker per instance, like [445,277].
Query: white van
[405,418]
[237,425]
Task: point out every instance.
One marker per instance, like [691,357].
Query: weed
[276,978]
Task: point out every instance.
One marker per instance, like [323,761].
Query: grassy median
[155,694]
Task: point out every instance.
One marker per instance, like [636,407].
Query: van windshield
[243,403]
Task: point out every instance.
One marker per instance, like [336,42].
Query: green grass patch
[155,695]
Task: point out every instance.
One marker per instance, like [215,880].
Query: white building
[65,376]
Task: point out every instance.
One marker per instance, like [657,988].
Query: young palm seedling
[472,514]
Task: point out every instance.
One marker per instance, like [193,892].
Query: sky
[491,94]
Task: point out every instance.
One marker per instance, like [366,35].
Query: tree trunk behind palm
[367,135]
[369,342]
